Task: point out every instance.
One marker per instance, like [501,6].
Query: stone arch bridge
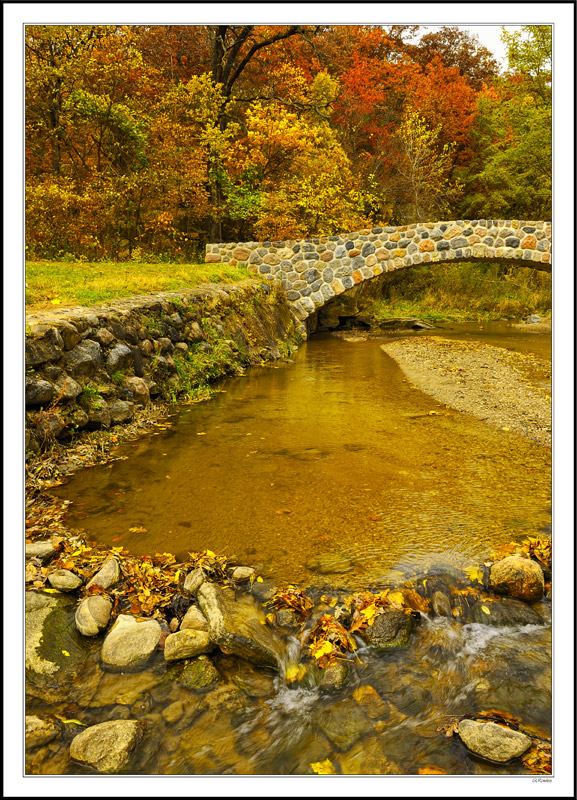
[312,271]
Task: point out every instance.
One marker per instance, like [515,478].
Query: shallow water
[334,453]
[331,454]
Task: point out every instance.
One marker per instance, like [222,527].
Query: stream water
[331,455]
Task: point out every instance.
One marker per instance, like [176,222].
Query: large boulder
[92,615]
[518,577]
[390,629]
[108,747]
[239,626]
[186,644]
[491,741]
[503,612]
[130,643]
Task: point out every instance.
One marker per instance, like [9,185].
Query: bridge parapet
[312,271]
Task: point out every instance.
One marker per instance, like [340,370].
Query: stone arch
[312,271]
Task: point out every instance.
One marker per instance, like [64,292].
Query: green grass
[56,284]
[461,292]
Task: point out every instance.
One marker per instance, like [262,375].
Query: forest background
[143,143]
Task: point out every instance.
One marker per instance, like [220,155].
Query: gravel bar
[489,382]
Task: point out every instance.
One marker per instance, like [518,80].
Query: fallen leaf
[65,653]
[431,769]
[135,530]
[323,767]
[485,610]
[201,433]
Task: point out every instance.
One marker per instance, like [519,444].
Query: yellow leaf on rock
[323,767]
[485,610]
[322,649]
[474,573]
[259,579]
[65,653]
[396,598]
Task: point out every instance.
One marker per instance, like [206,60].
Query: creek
[330,456]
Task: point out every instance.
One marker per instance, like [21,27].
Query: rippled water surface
[334,453]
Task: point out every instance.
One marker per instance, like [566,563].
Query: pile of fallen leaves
[291,597]
[329,641]
[366,606]
[147,584]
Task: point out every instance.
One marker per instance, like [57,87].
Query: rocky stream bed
[146,665]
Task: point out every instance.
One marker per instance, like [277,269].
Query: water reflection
[333,453]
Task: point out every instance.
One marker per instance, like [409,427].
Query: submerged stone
[199,674]
[504,612]
[40,731]
[329,563]
[343,723]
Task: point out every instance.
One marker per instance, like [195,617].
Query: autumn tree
[457,47]
[511,175]
[425,166]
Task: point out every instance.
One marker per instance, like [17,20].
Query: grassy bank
[55,284]
[464,292]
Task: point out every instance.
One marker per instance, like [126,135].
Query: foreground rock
[186,644]
[194,620]
[492,741]
[504,612]
[130,643]
[200,674]
[518,577]
[107,576]
[44,550]
[391,629]
[194,581]
[64,580]
[239,626]
[242,574]
[92,615]
[40,731]
[108,746]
